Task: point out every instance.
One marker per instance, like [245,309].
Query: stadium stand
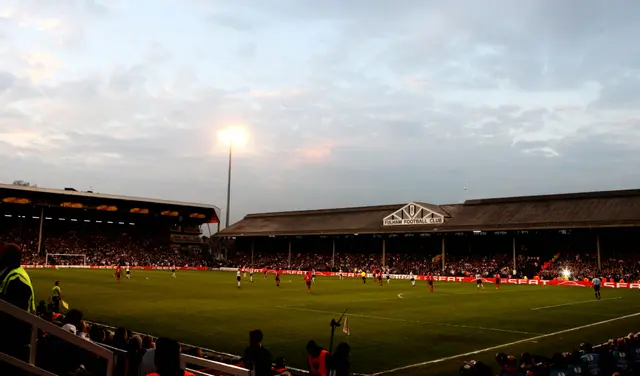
[68,344]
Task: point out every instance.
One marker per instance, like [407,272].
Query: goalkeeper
[56,297]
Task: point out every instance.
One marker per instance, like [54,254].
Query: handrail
[33,370]
[37,323]
[226,368]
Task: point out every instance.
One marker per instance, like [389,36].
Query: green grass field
[391,326]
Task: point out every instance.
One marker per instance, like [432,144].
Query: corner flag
[345,328]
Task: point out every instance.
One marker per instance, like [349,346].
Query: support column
[40,232]
[598,249]
[514,254]
[333,254]
[384,252]
[289,254]
[252,247]
[443,253]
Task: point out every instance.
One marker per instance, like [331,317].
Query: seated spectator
[280,368]
[256,358]
[135,352]
[97,334]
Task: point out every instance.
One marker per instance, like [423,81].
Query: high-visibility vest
[186,373]
[318,365]
[21,274]
[55,292]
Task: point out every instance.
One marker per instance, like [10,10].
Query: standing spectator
[256,358]
[340,364]
[16,289]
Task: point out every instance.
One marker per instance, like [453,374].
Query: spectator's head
[74,317]
[586,348]
[135,343]
[97,334]
[167,356]
[342,350]
[10,256]
[255,338]
[120,337]
[197,352]
[280,363]
[313,349]
[147,342]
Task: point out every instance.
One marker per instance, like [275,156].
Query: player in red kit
[430,281]
[264,270]
[380,278]
[277,277]
[307,279]
[497,281]
[118,272]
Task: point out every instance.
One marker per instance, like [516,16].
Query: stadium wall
[509,281]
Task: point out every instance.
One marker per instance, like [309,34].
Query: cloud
[346,104]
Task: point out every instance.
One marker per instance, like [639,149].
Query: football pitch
[395,329]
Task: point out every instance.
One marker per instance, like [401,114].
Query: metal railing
[37,323]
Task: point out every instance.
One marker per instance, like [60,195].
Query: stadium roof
[574,210]
[50,196]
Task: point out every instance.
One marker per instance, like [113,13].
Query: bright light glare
[566,273]
[233,136]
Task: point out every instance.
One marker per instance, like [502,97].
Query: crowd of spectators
[581,266]
[617,357]
[395,263]
[104,248]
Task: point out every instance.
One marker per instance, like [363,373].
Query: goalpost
[77,256]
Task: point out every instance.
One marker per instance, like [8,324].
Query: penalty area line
[574,303]
[408,321]
[505,345]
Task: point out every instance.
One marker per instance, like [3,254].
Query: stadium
[545,251]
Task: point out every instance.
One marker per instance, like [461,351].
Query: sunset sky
[345,103]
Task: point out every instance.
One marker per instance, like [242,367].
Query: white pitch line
[410,321]
[505,345]
[400,296]
[574,303]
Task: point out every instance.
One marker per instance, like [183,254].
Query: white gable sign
[413,214]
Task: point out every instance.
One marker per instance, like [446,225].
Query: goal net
[66,259]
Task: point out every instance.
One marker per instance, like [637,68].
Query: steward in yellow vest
[15,289]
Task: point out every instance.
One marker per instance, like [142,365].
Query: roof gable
[413,214]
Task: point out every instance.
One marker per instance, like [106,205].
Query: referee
[596,282]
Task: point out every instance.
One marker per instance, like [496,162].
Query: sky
[345,103]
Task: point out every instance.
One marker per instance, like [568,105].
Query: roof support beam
[333,255]
[253,243]
[598,249]
[40,231]
[514,255]
[289,253]
[443,253]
